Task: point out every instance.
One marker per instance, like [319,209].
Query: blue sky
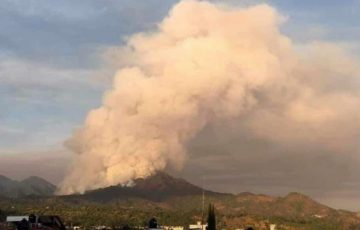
[52,71]
[50,61]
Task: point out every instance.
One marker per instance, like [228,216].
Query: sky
[53,70]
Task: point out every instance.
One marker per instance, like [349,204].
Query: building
[198,226]
[172,227]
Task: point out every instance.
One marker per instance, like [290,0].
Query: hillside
[158,187]
[175,201]
[31,186]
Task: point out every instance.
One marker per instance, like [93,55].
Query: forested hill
[31,186]
[175,201]
[158,187]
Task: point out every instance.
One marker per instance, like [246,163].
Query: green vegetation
[176,202]
[136,212]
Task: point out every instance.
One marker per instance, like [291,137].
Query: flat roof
[16,218]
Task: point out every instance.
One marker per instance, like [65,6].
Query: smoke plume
[205,63]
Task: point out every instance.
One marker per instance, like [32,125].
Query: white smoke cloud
[206,63]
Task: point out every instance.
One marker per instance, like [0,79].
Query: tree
[211,218]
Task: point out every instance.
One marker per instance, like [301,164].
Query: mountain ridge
[157,188]
[176,198]
[30,186]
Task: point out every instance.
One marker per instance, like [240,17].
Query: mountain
[178,200]
[175,201]
[293,204]
[38,186]
[7,186]
[31,186]
[158,187]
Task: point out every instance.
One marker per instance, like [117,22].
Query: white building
[198,226]
[173,227]
[16,218]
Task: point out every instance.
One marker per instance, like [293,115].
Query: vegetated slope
[176,201]
[38,186]
[31,186]
[158,187]
[175,195]
[6,185]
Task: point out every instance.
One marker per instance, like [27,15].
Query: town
[34,222]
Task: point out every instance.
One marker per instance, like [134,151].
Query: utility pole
[203,204]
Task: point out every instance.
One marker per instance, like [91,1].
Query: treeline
[95,214]
[137,214]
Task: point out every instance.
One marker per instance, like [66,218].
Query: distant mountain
[38,186]
[294,204]
[7,186]
[158,187]
[174,194]
[176,201]
[32,186]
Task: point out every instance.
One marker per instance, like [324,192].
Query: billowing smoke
[205,63]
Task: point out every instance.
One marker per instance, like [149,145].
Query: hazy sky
[53,71]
